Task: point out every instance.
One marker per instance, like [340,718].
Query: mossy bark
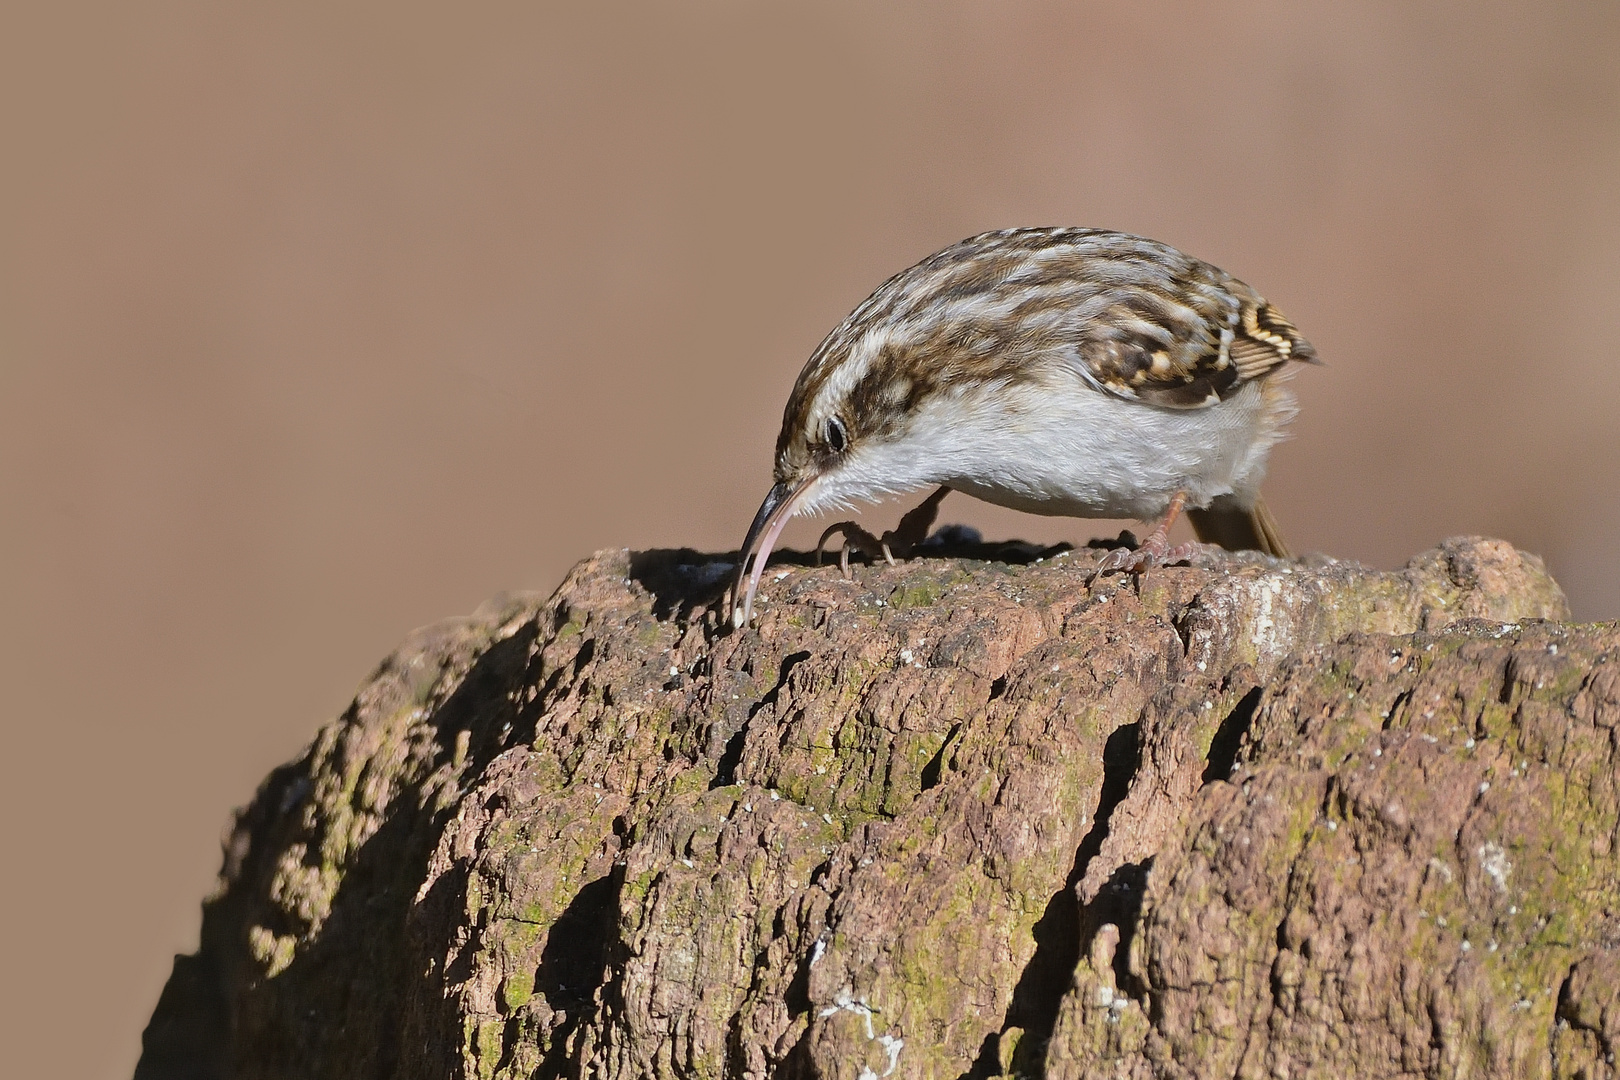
[957,817]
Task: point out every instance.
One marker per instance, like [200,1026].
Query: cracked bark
[958,817]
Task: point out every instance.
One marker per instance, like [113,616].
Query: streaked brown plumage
[1061,371]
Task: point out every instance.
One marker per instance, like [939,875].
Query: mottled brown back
[1136,318]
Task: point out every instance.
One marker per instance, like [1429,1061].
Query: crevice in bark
[725,772]
[1395,707]
[1228,740]
[936,764]
[1064,930]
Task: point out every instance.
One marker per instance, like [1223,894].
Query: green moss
[915,594]
[689,782]
[489,1045]
[516,989]
[275,952]
[633,894]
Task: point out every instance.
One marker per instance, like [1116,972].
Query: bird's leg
[914,527]
[902,539]
[1155,550]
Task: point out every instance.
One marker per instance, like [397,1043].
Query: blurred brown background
[322,321]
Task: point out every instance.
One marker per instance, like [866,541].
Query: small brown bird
[1075,372]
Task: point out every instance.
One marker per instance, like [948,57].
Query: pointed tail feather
[1238,528]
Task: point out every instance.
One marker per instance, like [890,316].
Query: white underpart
[1063,448]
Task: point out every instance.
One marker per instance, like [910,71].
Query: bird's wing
[1187,362]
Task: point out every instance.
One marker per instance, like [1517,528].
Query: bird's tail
[1238,528]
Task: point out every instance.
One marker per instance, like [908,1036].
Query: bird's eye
[835,435]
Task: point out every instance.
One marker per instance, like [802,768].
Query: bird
[1063,371]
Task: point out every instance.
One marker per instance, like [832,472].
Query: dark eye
[835,435]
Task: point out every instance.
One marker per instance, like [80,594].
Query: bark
[965,816]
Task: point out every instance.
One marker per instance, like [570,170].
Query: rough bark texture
[955,817]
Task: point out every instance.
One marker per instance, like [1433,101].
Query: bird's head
[842,441]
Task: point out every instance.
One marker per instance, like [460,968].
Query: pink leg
[1155,550]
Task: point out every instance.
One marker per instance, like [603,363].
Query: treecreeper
[1076,372]
[1000,811]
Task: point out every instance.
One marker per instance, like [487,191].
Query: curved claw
[1153,552]
[1148,556]
[854,537]
[912,531]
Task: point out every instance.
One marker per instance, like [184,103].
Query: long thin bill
[780,504]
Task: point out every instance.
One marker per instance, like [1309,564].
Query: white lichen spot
[1494,861]
[891,1049]
[781,576]
[844,1001]
[1267,640]
[1484,786]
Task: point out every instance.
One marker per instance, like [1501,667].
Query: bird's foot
[1152,553]
[900,540]
[855,538]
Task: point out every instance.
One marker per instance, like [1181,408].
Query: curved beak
[780,504]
